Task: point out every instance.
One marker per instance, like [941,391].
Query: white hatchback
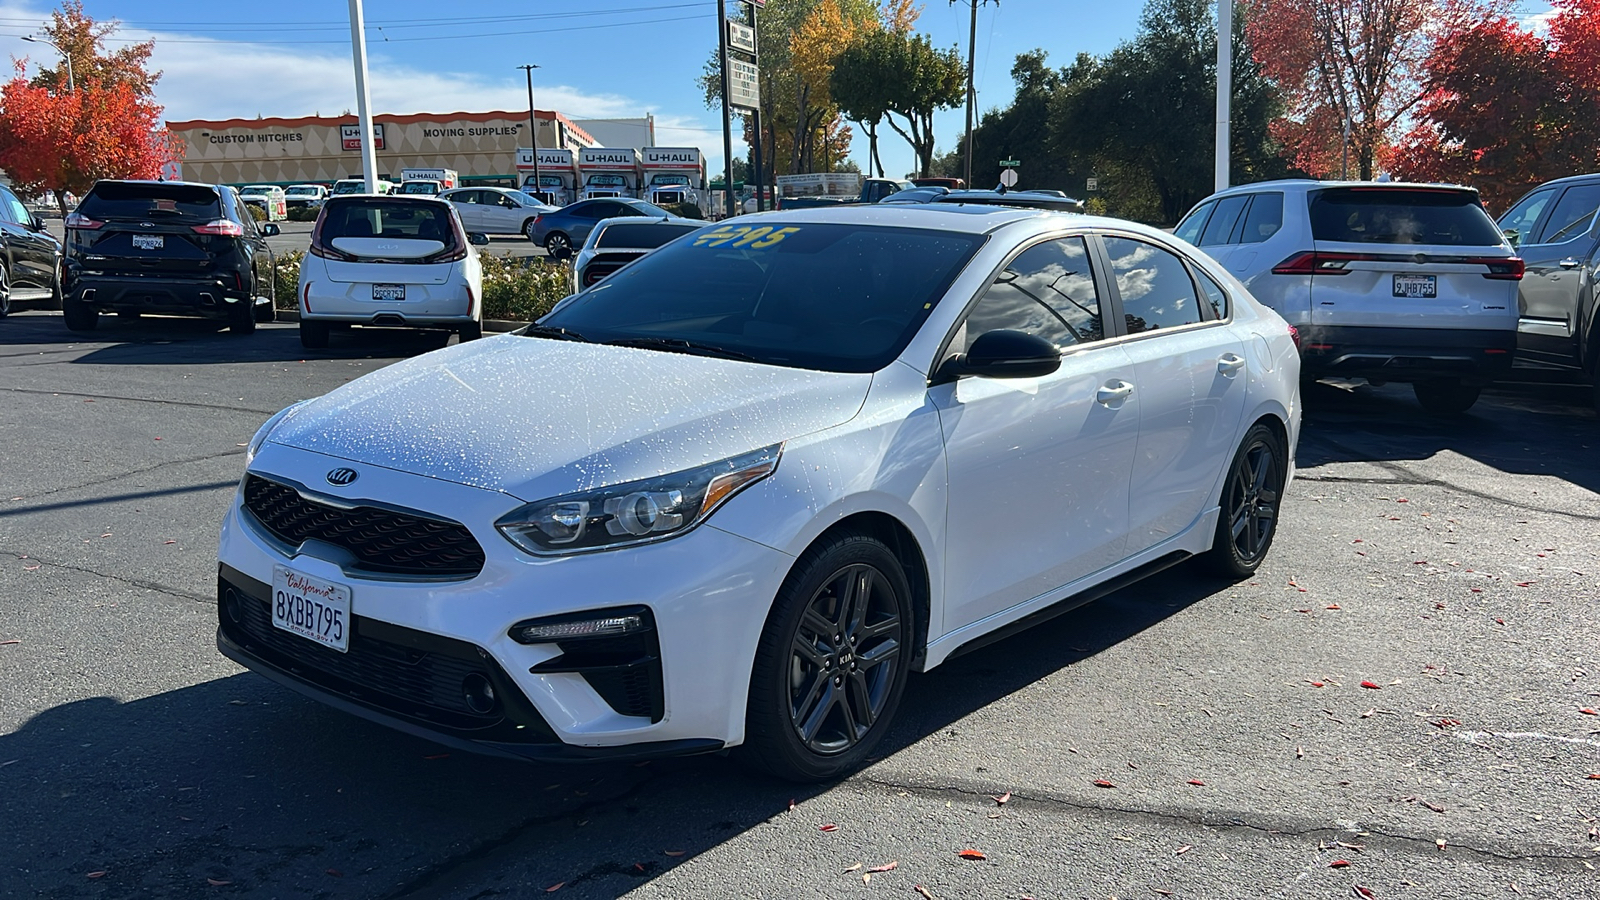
[733,493]
[1385,281]
[389,261]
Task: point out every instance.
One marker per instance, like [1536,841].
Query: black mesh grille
[381,540]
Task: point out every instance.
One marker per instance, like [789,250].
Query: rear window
[375,217]
[1401,216]
[136,200]
[642,236]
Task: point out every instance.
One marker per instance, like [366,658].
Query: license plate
[1425,286]
[310,607]
[388,292]
[148,242]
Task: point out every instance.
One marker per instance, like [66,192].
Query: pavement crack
[161,402]
[234,451]
[132,582]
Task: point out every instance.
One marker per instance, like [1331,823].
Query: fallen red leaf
[886,867]
[1314,683]
[555,887]
[169,542]
[1339,864]
[1003,799]
[1365,892]
[1477,590]
[1331,606]
[335,873]
[97,874]
[1197,782]
[923,891]
[791,804]
[1589,712]
[1370,686]
[971,854]
[1499,621]
[638,867]
[1101,782]
[828,827]
[1402,500]
[1162,891]
[1593,777]
[214,882]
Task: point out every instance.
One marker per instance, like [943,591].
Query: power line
[334,25]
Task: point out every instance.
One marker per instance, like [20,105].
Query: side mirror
[37,224]
[1513,236]
[268,229]
[477,238]
[1004,354]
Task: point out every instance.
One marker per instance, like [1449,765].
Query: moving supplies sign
[350,136]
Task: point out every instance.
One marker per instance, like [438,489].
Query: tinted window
[597,209]
[387,218]
[1263,220]
[128,200]
[1048,291]
[1572,215]
[844,298]
[1154,284]
[12,210]
[653,234]
[1222,221]
[1189,228]
[1525,215]
[1401,216]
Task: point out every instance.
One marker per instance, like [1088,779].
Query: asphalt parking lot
[1401,704]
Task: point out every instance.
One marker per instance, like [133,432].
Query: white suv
[1385,281]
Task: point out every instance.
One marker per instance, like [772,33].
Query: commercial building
[481,146]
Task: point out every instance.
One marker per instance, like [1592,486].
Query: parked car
[613,243]
[1054,200]
[420,186]
[271,199]
[305,195]
[30,258]
[488,210]
[359,186]
[1555,231]
[1385,281]
[560,230]
[733,494]
[168,247]
[391,262]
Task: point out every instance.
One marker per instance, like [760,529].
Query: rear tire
[266,312]
[54,303]
[1252,497]
[558,246]
[470,332]
[5,293]
[1446,396]
[242,317]
[313,335]
[79,315]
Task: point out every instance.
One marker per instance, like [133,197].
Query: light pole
[358,52]
[533,130]
[72,85]
[972,49]
[1224,91]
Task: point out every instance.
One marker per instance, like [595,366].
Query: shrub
[522,289]
[286,279]
[686,210]
[302,214]
[256,212]
[1096,206]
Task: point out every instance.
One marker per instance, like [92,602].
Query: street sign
[1092,184]
[1009,177]
[1009,163]
[744,85]
[741,37]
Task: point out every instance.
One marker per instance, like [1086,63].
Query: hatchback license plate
[388,292]
[1423,286]
[149,242]
[312,608]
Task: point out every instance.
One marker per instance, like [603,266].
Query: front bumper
[414,641]
[1407,354]
[212,296]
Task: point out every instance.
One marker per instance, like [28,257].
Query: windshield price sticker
[758,238]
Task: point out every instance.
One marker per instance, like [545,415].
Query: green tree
[860,85]
[919,81]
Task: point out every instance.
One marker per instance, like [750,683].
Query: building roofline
[278,122]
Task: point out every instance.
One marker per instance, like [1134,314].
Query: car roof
[398,198]
[1303,185]
[973,218]
[1021,199]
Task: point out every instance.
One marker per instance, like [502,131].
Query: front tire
[79,315]
[1446,396]
[266,312]
[313,335]
[832,661]
[5,293]
[1252,495]
[558,245]
[527,231]
[55,289]
[470,332]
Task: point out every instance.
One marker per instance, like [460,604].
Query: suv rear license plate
[149,242]
[388,292]
[1425,286]
[310,607]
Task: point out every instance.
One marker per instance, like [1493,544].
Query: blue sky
[598,58]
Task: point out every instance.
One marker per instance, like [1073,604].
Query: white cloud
[1538,23]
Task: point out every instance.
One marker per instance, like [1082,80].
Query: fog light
[610,626]
[230,606]
[478,694]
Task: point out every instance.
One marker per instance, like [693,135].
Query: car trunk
[150,229]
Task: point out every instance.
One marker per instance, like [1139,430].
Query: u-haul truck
[558,174]
[673,175]
[608,172]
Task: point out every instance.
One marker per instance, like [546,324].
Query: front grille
[601,267]
[381,540]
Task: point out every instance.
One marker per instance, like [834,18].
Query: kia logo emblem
[342,477]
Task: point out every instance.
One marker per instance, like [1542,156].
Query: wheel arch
[900,540]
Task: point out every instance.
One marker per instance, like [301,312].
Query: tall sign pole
[1224,89]
[727,126]
[755,115]
[972,93]
[358,52]
[533,132]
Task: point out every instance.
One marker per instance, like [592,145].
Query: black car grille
[604,264]
[381,540]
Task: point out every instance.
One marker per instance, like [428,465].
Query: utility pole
[972,94]
[533,131]
[727,125]
[358,51]
[755,119]
[1224,90]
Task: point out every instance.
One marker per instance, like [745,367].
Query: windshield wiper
[553,332]
[679,345]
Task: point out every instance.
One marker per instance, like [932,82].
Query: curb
[490,326]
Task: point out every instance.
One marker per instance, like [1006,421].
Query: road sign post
[1008,177]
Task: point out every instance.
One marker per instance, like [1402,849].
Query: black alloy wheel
[558,245]
[832,661]
[5,293]
[1251,498]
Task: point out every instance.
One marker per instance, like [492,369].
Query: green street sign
[1009,162]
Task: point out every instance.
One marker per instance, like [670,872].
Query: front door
[1557,273]
[1038,468]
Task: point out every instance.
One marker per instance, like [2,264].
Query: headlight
[266,429]
[638,512]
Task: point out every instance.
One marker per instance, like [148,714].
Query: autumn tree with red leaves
[56,139]
[1506,109]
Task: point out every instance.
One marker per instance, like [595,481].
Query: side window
[591,211]
[11,209]
[1525,215]
[1264,218]
[1216,297]
[1048,291]
[1154,284]
[1222,221]
[1189,228]
[1572,215]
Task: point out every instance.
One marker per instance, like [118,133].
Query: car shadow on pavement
[238,782]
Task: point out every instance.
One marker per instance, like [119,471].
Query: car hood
[536,418]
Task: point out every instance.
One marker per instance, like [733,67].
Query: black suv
[167,247]
[30,259]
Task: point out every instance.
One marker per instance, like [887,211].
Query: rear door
[1557,254]
[252,243]
[1407,257]
[33,252]
[1216,238]
[148,228]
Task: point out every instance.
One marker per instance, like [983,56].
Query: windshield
[549,181]
[420,187]
[1402,216]
[349,187]
[841,298]
[255,190]
[607,181]
[669,179]
[306,191]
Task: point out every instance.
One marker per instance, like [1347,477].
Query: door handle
[1230,363]
[1113,392]
[1569,263]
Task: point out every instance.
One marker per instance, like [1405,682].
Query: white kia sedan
[392,261]
[732,494]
